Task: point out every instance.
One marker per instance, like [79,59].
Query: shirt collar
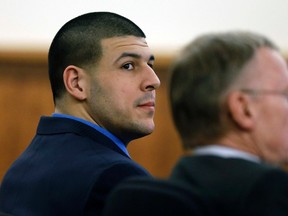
[225,152]
[105,132]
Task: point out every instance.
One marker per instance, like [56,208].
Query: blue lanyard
[117,141]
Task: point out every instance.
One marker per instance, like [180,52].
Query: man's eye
[128,66]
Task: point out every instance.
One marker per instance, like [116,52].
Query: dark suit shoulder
[148,196]
[233,184]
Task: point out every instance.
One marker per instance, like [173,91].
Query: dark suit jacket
[141,196]
[235,186]
[68,169]
[204,186]
[4,214]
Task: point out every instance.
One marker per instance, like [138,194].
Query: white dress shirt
[225,152]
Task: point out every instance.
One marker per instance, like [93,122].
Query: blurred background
[27,28]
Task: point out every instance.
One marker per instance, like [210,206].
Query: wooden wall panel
[25,95]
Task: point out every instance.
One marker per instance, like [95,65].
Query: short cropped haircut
[78,43]
[201,75]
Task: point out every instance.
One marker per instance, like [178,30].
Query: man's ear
[240,109]
[75,80]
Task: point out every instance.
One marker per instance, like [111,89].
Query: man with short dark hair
[103,84]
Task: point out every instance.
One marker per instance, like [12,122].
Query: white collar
[225,152]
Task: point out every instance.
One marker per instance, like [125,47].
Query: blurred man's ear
[240,109]
[75,82]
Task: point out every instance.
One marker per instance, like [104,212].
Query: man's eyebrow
[133,55]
